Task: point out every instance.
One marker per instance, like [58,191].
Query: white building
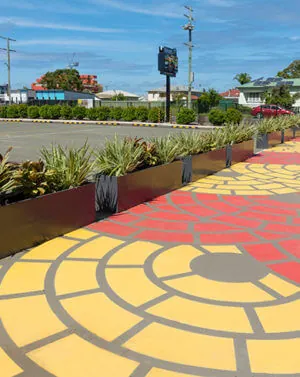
[18,96]
[251,94]
[109,94]
[159,94]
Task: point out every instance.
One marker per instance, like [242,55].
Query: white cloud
[48,25]
[162,10]
[295,38]
[222,3]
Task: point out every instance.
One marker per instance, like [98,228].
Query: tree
[118,97]
[243,78]
[280,96]
[292,71]
[66,79]
[208,99]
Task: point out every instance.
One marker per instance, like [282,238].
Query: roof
[271,82]
[231,93]
[176,88]
[111,93]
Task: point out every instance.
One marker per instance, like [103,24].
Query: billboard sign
[168,61]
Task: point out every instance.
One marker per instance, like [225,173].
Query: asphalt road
[27,138]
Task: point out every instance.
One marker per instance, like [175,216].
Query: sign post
[168,66]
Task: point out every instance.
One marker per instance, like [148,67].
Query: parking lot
[27,138]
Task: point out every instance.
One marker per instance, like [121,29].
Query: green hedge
[116,113]
[217,117]
[233,116]
[45,112]
[13,111]
[3,111]
[186,116]
[142,114]
[79,112]
[66,112]
[33,112]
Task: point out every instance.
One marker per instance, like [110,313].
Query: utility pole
[190,27]
[8,50]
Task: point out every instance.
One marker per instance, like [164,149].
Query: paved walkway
[204,281]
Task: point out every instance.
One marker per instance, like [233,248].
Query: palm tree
[243,78]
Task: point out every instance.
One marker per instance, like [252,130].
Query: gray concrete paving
[28,138]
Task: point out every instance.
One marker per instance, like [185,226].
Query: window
[266,107]
[253,97]
[274,108]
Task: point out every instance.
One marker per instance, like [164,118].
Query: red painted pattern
[265,252]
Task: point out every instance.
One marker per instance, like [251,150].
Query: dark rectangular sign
[168,61]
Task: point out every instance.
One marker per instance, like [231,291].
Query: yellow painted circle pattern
[91,305]
[251,179]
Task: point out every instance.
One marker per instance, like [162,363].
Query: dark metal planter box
[117,194]
[27,223]
[208,163]
[270,140]
[239,152]
[289,134]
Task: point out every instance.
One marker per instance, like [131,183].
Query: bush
[156,115]
[244,109]
[216,117]
[116,113]
[3,111]
[142,114]
[92,114]
[13,111]
[129,114]
[103,113]
[55,112]
[233,116]
[166,149]
[66,112]
[45,111]
[186,116]
[79,112]
[23,111]
[33,112]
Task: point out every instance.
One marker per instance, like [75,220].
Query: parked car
[266,111]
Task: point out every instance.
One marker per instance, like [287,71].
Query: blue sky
[118,39]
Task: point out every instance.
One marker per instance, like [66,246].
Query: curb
[144,125]
[186,127]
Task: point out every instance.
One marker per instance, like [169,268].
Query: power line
[8,50]
[190,27]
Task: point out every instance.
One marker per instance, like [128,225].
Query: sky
[118,40]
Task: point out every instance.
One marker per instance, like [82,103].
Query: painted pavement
[204,282]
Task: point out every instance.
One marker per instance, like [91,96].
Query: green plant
[156,115]
[129,114]
[45,111]
[13,111]
[55,112]
[244,109]
[166,149]
[216,117]
[3,111]
[23,110]
[142,113]
[92,113]
[266,126]
[232,133]
[103,113]
[66,112]
[119,157]
[233,116]
[191,143]
[33,179]
[79,112]
[6,169]
[33,112]
[186,116]
[71,166]
[116,113]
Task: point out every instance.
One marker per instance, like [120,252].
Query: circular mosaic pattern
[120,308]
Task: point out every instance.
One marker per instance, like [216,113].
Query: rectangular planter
[27,223]
[289,134]
[270,140]
[209,163]
[117,194]
[239,152]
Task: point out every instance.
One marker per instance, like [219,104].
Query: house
[18,96]
[62,95]
[159,94]
[251,94]
[109,94]
[231,94]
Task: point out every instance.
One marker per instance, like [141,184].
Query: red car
[266,111]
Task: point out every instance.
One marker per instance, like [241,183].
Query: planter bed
[117,194]
[239,152]
[289,134]
[30,222]
[270,140]
[209,163]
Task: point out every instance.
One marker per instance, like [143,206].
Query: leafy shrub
[6,169]
[13,111]
[79,112]
[33,112]
[216,117]
[234,133]
[233,116]
[66,112]
[142,113]
[55,112]
[156,115]
[191,143]
[92,114]
[166,149]
[244,109]
[23,111]
[119,157]
[186,116]
[3,111]
[103,113]
[266,126]
[45,111]
[71,166]
[129,114]
[116,113]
